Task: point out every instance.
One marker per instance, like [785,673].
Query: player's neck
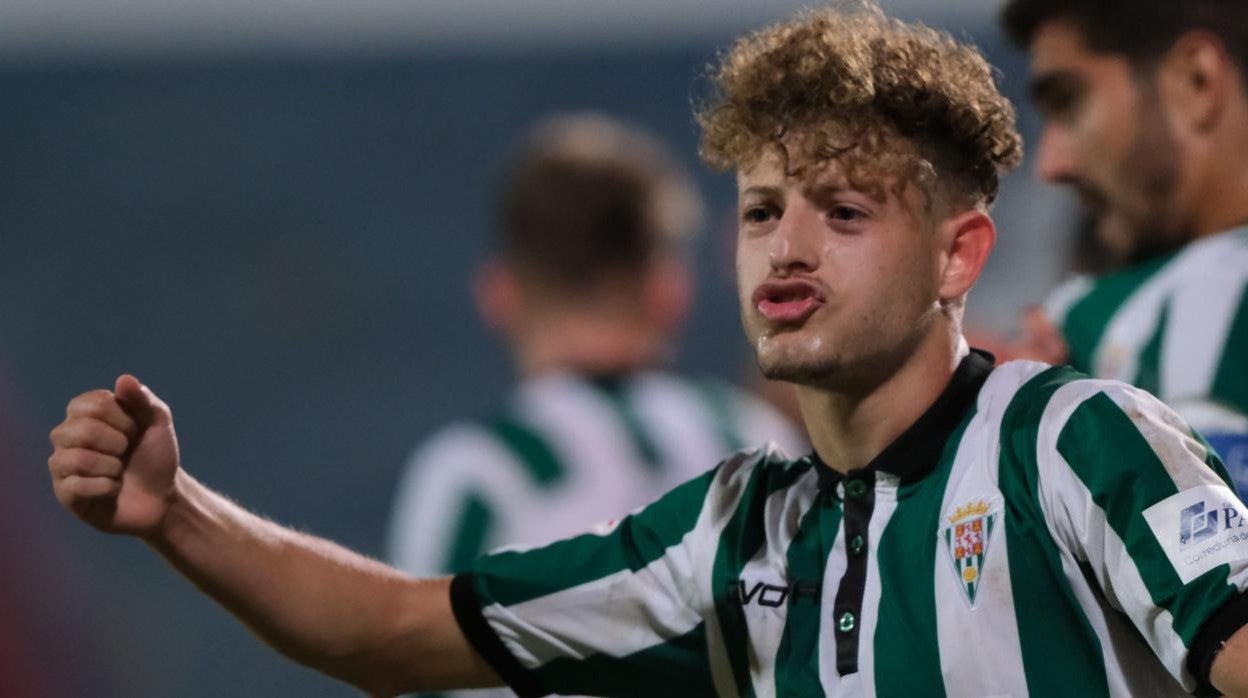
[1222,207]
[849,430]
[598,345]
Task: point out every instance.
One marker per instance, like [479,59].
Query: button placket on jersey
[857,494]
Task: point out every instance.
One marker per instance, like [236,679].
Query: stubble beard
[811,362]
[820,362]
[1151,167]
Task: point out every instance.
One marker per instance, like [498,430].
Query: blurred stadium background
[268,211]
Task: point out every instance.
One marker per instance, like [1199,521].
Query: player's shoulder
[753,420]
[499,440]
[454,440]
[1039,399]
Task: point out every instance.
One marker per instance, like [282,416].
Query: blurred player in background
[1146,116]
[587,285]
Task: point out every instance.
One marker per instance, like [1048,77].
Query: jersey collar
[915,453]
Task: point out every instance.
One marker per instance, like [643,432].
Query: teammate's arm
[115,465]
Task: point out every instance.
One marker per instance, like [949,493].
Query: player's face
[1106,136]
[836,286]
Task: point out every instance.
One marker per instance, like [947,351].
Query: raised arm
[115,465]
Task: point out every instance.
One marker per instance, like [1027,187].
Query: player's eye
[845,214]
[1060,99]
[757,214]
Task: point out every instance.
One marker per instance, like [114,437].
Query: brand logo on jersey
[1196,524]
[1200,528]
[966,538]
[741,593]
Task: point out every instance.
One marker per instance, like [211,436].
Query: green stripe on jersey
[510,577]
[676,668]
[797,658]
[475,519]
[1088,318]
[1230,382]
[906,647]
[742,538]
[1053,631]
[616,395]
[529,447]
[1148,366]
[1124,477]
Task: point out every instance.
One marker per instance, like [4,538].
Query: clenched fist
[114,458]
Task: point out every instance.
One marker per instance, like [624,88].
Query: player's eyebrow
[763,190]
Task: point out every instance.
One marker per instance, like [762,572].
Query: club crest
[966,538]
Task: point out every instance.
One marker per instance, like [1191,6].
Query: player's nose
[792,242]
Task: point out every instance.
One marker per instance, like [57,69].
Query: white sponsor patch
[1200,528]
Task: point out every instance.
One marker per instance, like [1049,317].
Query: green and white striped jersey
[567,452]
[1034,533]
[1176,327]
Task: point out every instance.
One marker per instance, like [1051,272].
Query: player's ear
[1195,80]
[496,290]
[966,238]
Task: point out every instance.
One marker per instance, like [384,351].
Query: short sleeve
[1132,491]
[1226,430]
[611,612]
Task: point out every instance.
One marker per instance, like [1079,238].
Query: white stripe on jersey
[881,514]
[1204,306]
[990,625]
[577,623]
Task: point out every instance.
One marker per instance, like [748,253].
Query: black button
[855,489]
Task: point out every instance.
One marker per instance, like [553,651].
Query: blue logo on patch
[1196,525]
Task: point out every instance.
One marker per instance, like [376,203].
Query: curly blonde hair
[889,101]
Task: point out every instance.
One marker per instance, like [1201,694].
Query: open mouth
[787,301]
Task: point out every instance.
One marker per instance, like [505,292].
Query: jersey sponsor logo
[966,538]
[767,595]
[1200,528]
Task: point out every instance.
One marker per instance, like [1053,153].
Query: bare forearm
[320,604]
